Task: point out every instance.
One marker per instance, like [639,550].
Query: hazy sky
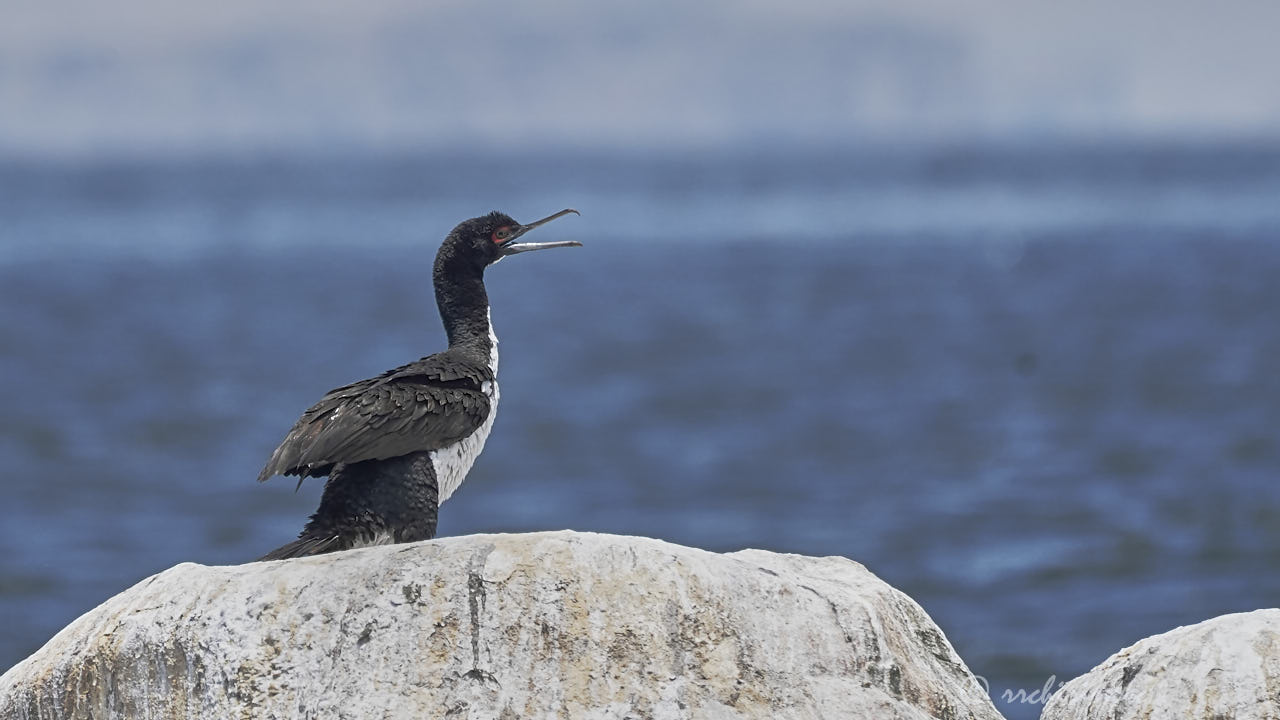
[146,75]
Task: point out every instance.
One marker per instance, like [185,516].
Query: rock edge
[558,624]
[1227,667]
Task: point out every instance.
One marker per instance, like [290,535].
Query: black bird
[397,445]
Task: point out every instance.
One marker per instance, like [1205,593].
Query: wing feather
[425,405]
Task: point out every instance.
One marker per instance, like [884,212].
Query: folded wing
[425,405]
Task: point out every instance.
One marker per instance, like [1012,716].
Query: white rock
[1227,667]
[547,625]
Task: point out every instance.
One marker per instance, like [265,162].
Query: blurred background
[982,296]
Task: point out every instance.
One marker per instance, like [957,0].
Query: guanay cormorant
[396,446]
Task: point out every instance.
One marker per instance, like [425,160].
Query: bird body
[397,445]
[452,462]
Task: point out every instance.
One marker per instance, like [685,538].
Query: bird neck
[464,309]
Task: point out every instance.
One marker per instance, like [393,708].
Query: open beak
[511,247]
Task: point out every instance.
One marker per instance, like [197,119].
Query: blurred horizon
[143,78]
[986,289]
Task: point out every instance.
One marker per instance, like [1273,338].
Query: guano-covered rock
[1227,667]
[546,625]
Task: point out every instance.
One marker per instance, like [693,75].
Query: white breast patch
[453,462]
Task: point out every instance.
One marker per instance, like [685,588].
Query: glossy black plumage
[375,501]
[422,406]
[379,440]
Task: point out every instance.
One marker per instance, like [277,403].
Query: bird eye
[501,234]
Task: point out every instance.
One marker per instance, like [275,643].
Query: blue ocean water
[1032,387]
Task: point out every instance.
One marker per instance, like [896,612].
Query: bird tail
[303,547]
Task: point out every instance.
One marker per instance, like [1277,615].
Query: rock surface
[1227,667]
[546,625]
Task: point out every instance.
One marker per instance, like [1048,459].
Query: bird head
[489,238]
